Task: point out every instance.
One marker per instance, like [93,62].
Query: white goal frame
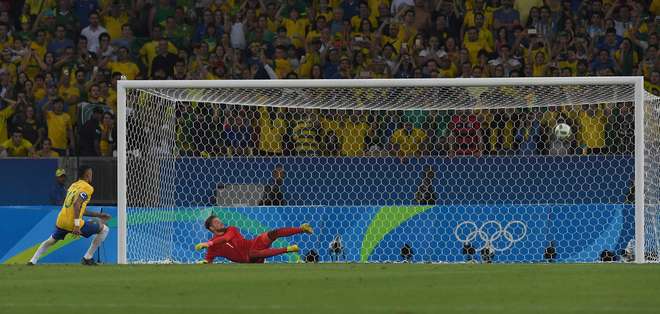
[637,81]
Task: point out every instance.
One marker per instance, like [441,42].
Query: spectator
[603,62]
[164,59]
[623,19]
[60,129]
[107,144]
[60,42]
[426,194]
[238,130]
[337,21]
[51,94]
[422,15]
[539,66]
[5,115]
[93,31]
[83,10]
[159,12]
[6,40]
[408,141]
[17,146]
[90,134]
[148,51]
[126,39]
[58,191]
[653,84]
[94,95]
[272,128]
[105,52]
[473,44]
[354,133]
[46,150]
[273,195]
[33,130]
[591,129]
[545,26]
[506,16]
[113,17]
[529,134]
[465,134]
[626,57]
[305,133]
[509,64]
[363,14]
[620,129]
[610,42]
[124,65]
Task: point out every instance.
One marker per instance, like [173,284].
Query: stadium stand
[61,59]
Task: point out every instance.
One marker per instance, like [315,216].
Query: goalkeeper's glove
[202,245]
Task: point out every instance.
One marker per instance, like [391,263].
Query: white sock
[98,239]
[42,249]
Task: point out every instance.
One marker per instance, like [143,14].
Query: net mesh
[423,174]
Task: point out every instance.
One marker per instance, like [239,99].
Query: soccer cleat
[306,228]
[292,248]
[30,264]
[88,262]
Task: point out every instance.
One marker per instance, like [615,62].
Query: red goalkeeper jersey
[231,245]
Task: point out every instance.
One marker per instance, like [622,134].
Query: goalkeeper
[228,242]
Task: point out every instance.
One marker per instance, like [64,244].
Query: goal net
[459,170]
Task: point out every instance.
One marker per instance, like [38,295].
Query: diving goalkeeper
[228,242]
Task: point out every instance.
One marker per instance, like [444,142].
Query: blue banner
[515,233]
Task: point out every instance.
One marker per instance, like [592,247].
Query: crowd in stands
[61,59]
[268,131]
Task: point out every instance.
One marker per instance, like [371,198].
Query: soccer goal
[517,170]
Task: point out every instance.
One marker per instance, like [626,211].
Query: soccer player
[70,219]
[228,242]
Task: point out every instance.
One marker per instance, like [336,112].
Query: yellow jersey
[127,68]
[409,144]
[473,48]
[5,114]
[58,128]
[272,130]
[20,150]
[592,129]
[113,24]
[78,190]
[148,52]
[354,138]
[295,28]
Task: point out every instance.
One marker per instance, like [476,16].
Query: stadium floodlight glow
[354,152]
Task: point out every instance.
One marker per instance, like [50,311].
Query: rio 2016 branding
[491,234]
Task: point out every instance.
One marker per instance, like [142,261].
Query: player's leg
[59,234]
[100,230]
[289,231]
[270,252]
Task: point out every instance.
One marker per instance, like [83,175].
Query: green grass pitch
[331,288]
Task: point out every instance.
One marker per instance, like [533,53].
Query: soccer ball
[562,131]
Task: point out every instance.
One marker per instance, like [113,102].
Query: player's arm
[77,221]
[77,206]
[216,241]
[212,242]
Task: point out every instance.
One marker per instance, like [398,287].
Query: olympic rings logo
[504,234]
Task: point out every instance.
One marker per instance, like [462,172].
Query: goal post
[498,200]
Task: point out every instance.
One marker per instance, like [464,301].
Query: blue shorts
[90,228]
